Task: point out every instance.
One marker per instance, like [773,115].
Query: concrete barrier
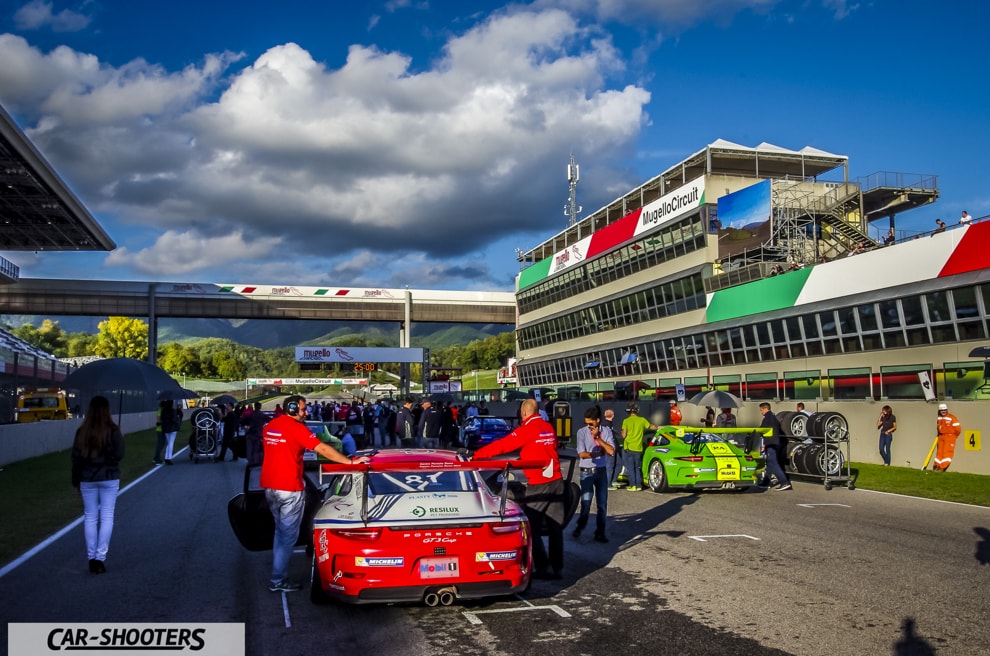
[22,441]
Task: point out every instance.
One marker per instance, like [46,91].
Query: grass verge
[37,497]
[946,486]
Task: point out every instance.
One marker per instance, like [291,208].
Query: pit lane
[837,572]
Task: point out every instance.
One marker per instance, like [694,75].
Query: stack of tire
[812,442]
[205,436]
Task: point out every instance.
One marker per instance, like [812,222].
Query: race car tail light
[363,534]
[505,529]
[691,458]
[749,458]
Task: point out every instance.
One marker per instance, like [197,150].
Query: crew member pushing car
[286,438]
[535,439]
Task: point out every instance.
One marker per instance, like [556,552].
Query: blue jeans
[287,508]
[885,440]
[633,460]
[614,465]
[99,500]
[594,483]
[773,465]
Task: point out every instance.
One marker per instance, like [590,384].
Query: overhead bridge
[53,297]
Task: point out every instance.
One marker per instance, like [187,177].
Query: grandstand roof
[38,212]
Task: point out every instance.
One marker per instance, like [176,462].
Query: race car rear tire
[833,426]
[831,461]
[784,417]
[205,418]
[798,425]
[810,461]
[657,476]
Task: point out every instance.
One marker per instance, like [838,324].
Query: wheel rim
[656,475]
[799,425]
[205,421]
[835,427]
[830,461]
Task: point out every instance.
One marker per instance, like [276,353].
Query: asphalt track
[808,571]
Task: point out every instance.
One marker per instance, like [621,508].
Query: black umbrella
[980,352]
[223,399]
[120,375]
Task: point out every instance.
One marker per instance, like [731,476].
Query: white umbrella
[716,399]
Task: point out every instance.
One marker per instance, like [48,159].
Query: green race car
[696,458]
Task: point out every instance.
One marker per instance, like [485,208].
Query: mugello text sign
[347,355]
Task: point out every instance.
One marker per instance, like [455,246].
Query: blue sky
[419,143]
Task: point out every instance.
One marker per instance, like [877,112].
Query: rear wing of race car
[413,465]
[751,441]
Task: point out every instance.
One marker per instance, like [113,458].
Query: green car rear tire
[657,476]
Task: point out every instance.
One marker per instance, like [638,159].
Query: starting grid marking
[706,538]
[472,616]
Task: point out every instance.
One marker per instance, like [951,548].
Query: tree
[49,337]
[178,359]
[122,337]
[81,344]
[228,367]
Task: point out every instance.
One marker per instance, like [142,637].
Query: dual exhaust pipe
[441,597]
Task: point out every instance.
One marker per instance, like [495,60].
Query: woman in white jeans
[170,419]
[96,454]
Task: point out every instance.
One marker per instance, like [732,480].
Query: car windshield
[421,481]
[494,425]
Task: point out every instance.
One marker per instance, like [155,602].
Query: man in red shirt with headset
[535,439]
[285,439]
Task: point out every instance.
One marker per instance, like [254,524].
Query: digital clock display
[365,366]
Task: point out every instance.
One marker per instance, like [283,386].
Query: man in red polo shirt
[536,440]
[286,438]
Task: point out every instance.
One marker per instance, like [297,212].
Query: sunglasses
[591,423]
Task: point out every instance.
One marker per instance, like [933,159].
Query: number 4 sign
[972,440]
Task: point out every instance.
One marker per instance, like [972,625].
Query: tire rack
[832,444]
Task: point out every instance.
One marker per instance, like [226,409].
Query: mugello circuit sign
[664,210]
[344,355]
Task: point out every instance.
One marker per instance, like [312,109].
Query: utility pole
[572,209]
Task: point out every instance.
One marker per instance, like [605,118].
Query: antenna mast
[572,209]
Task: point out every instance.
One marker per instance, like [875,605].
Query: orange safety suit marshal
[948,428]
[675,415]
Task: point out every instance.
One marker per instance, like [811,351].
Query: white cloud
[175,253]
[371,156]
[38,14]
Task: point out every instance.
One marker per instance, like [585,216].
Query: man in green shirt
[633,428]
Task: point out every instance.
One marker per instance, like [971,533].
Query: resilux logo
[202,639]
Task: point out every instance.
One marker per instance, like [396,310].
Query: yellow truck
[35,404]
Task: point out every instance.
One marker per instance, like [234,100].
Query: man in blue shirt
[595,446]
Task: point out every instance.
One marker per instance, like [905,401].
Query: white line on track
[814,505]
[472,616]
[705,538]
[908,496]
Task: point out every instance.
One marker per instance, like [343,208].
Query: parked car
[42,403]
[412,525]
[479,431]
[695,459]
